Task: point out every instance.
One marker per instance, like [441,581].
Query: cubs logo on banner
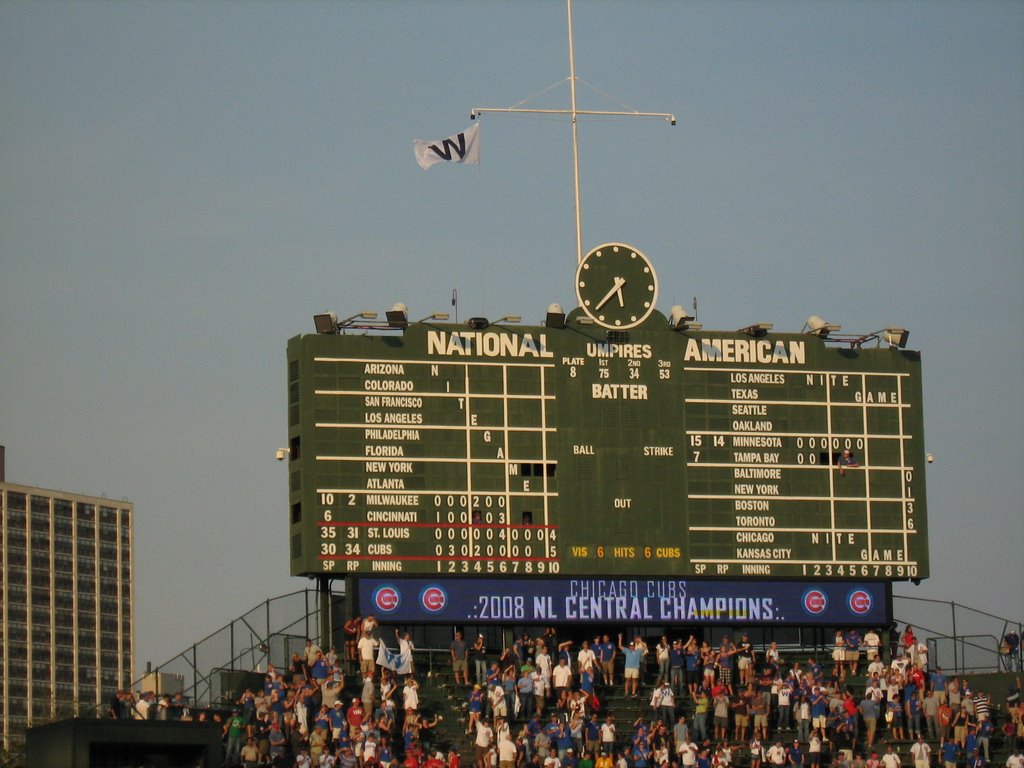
[386,598]
[860,602]
[433,598]
[815,601]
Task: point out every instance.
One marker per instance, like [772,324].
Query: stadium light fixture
[815,325]
[896,337]
[326,323]
[679,319]
[508,319]
[398,316]
[349,322]
[357,316]
[434,316]
[757,329]
[555,317]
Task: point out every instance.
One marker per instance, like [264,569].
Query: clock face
[616,286]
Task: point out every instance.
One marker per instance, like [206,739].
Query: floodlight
[398,316]
[757,329]
[679,318]
[434,316]
[508,319]
[819,327]
[555,317]
[897,337]
[326,323]
[358,316]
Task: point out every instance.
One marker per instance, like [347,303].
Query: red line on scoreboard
[439,558]
[340,524]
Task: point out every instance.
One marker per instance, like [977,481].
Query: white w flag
[396,662]
[463,147]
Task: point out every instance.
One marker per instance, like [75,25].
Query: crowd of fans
[543,703]
[742,704]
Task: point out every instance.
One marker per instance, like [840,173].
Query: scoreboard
[637,449]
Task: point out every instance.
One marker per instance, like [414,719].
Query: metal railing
[277,627]
[957,653]
[273,629]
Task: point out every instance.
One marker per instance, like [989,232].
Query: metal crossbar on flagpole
[574,112]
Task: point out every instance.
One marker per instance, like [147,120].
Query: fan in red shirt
[355,718]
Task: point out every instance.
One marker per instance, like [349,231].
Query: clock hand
[616,288]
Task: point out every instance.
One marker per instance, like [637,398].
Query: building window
[41,640]
[16,559]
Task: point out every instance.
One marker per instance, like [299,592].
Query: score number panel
[434,465]
[538,452]
[763,449]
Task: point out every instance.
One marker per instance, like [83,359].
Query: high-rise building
[66,580]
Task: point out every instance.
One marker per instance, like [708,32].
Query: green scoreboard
[613,443]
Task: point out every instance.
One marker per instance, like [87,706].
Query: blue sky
[183,184]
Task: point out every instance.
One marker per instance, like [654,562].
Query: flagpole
[574,113]
[575,143]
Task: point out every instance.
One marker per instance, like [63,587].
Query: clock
[616,286]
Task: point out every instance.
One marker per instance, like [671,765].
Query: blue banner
[632,601]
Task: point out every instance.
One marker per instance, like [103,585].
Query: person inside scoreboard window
[846,460]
